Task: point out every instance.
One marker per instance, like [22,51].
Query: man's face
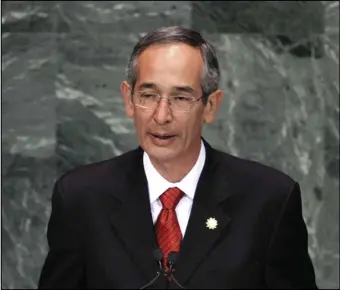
[166,69]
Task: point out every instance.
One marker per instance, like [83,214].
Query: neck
[176,170]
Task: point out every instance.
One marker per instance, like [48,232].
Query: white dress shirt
[157,185]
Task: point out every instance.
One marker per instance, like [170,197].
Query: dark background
[62,64]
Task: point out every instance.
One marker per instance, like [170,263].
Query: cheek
[141,120]
[191,126]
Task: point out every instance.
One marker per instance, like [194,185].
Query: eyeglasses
[179,103]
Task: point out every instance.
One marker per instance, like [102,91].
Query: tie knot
[171,197]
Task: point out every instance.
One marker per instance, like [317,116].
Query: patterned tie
[168,232]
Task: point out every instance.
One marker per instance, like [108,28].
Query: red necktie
[168,232]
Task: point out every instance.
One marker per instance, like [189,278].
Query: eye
[148,95]
[182,98]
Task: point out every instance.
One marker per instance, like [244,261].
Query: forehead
[170,65]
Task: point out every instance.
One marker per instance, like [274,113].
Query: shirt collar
[158,184]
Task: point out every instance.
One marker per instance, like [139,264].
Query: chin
[161,154]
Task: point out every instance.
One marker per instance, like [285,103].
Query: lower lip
[162,142]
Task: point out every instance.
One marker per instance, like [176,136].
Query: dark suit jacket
[101,233]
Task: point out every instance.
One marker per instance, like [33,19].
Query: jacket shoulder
[98,174]
[256,175]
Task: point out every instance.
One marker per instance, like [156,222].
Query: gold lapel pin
[211,223]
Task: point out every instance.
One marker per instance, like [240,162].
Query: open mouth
[162,137]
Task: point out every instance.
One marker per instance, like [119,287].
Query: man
[233,223]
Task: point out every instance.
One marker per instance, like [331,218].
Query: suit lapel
[131,217]
[212,190]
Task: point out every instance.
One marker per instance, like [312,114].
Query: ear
[212,106]
[125,90]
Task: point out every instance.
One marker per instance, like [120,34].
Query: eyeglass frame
[193,102]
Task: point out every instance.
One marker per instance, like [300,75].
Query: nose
[163,114]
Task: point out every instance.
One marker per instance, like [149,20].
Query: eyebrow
[186,89]
[147,86]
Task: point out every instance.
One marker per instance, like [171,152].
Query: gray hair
[211,73]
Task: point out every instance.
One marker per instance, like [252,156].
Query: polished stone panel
[271,17]
[62,65]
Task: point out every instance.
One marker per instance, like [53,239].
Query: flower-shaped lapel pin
[211,223]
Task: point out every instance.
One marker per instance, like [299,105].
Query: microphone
[158,255]
[172,259]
